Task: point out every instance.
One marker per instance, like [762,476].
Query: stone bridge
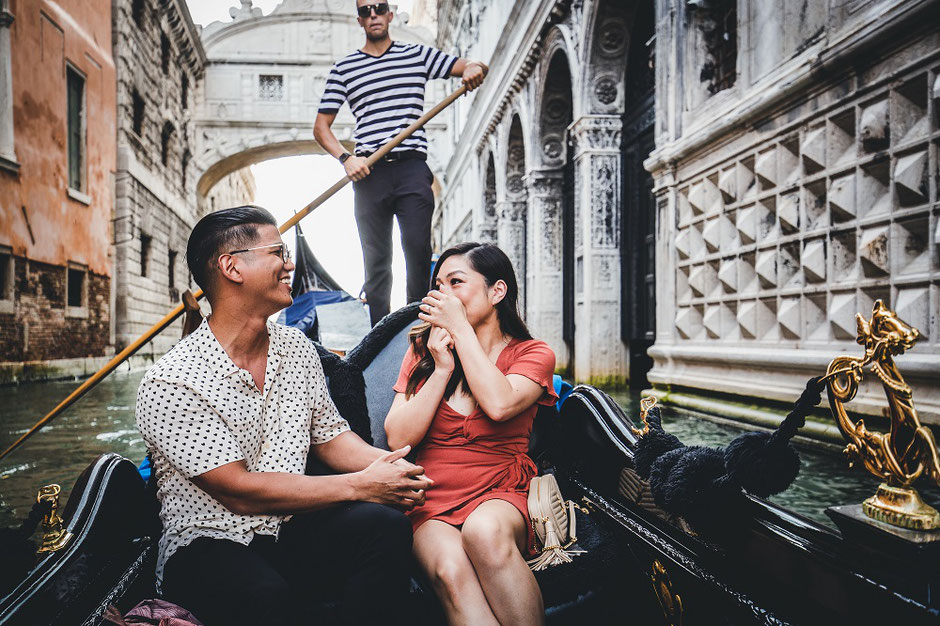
[263,81]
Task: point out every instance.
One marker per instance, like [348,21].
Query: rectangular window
[165,53]
[184,92]
[6,280]
[76,128]
[138,10]
[271,87]
[137,113]
[171,269]
[144,253]
[76,295]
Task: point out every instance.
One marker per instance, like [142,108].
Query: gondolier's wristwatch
[343,157]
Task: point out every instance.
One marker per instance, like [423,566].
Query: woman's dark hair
[494,265]
[219,232]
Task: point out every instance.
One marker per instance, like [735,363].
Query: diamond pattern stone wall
[776,236]
[782,244]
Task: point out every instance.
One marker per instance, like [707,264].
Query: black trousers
[357,553]
[400,189]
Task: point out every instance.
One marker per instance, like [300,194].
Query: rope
[796,419]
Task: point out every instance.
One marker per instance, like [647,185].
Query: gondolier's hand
[473,75]
[441,345]
[356,168]
[387,482]
[445,311]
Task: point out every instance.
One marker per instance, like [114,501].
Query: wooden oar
[170,317]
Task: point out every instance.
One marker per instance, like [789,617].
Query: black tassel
[696,482]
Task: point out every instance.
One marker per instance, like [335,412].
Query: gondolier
[384,83]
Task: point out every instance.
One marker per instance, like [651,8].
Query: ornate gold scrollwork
[907,452]
[54,535]
[669,600]
[646,403]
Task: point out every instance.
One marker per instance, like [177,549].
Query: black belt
[404,155]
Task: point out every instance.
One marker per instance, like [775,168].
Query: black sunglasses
[367,9]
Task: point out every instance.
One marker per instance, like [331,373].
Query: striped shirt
[385,93]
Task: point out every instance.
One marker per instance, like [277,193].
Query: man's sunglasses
[284,251]
[367,9]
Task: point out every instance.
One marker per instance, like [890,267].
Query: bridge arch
[264,78]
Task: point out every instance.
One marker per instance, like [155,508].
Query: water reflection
[102,421]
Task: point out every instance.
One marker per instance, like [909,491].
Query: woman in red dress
[468,392]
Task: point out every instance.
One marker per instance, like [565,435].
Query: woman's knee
[450,576]
[487,540]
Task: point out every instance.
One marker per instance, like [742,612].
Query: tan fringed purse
[554,523]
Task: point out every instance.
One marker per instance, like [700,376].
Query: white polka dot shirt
[197,411]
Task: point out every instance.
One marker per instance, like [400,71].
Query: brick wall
[41,326]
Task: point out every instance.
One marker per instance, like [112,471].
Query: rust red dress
[472,458]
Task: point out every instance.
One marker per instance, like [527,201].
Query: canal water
[103,421]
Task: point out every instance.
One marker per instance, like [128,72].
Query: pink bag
[152,613]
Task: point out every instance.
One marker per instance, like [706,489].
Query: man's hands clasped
[393,481]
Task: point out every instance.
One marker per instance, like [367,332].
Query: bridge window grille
[271,87]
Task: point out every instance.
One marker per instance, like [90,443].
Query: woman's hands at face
[443,310]
[441,346]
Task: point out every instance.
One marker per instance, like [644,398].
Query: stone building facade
[57,162]
[534,163]
[795,187]
[701,194]
[160,68]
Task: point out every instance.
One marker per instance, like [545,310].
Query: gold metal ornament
[669,600]
[646,403]
[54,535]
[907,452]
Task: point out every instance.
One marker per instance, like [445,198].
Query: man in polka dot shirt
[229,416]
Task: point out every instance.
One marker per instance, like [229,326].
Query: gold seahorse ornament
[907,452]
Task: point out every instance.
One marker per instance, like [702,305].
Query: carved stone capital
[542,183]
[597,133]
[511,211]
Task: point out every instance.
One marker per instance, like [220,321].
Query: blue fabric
[145,468]
[562,388]
[302,313]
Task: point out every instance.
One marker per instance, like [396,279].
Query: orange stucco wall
[46,36]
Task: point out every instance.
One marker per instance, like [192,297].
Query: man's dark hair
[221,232]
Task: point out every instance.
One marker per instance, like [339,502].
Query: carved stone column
[510,237]
[7,152]
[543,265]
[600,354]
